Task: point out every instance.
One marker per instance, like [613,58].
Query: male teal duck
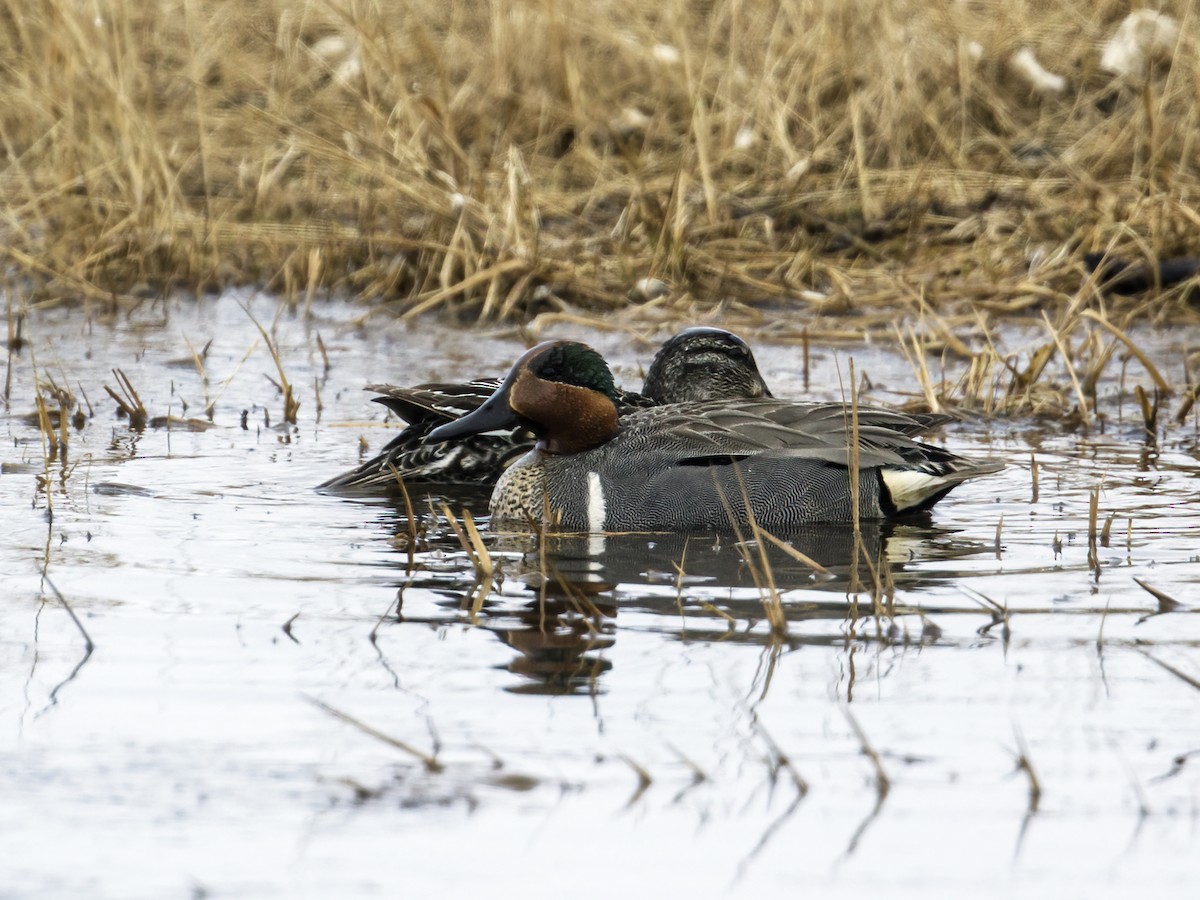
[706,464]
[696,364]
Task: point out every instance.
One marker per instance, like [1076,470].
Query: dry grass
[797,162]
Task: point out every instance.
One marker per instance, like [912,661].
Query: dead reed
[428,760]
[291,403]
[129,403]
[804,165]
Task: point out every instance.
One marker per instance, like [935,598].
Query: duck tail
[906,489]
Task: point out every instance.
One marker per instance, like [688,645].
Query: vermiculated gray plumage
[702,464]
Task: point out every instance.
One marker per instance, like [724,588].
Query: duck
[701,464]
[697,363]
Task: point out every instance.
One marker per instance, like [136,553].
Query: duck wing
[701,433]
[436,403]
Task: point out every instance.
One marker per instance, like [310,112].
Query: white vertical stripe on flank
[597,508]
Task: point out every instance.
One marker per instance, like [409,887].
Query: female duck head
[562,391]
[704,363]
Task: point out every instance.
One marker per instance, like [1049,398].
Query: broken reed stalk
[760,572]
[877,605]
[87,638]
[128,401]
[804,346]
[47,429]
[1093,514]
[63,405]
[704,604]
[291,403]
[1163,664]
[1025,764]
[1106,531]
[1185,405]
[883,784]
[49,452]
[853,451]
[1024,381]
[772,602]
[679,573]
[429,761]
[1149,412]
[481,550]
[917,360]
[889,583]
[199,357]
[81,418]
[1166,603]
[469,538]
[8,375]
[852,462]
[795,554]
[1084,412]
[408,512]
[324,354]
[16,340]
[1159,382]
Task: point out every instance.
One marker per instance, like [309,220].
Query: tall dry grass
[806,157]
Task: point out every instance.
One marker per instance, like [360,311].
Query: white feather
[597,508]
[911,487]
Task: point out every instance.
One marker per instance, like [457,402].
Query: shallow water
[283,701]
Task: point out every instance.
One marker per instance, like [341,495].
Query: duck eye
[550,372]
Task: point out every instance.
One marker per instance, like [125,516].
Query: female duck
[700,464]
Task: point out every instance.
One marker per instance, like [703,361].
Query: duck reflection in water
[559,629]
[581,582]
[559,595]
[558,640]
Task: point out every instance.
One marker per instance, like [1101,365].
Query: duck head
[704,364]
[562,391]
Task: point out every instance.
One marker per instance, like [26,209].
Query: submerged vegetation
[806,161]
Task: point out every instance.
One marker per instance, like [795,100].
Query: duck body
[712,465]
[477,459]
[700,465]
[695,364]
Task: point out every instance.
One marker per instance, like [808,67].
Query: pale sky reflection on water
[186,755]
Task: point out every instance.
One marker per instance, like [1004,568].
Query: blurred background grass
[492,161]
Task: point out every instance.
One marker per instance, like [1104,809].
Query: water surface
[284,701]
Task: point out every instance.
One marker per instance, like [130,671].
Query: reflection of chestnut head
[557,650]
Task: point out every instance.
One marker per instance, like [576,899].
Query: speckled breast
[519,493]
